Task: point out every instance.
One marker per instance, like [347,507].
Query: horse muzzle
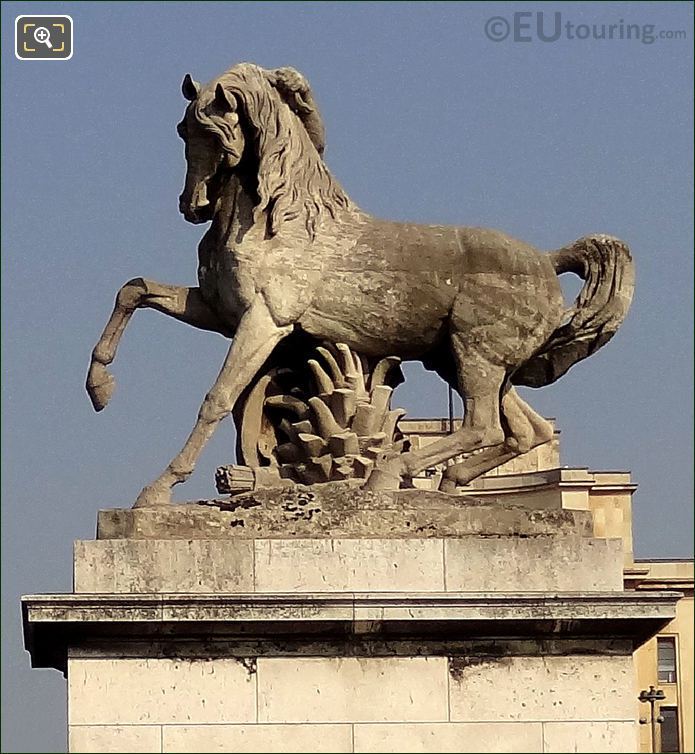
[195,212]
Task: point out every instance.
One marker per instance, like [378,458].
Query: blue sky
[427,120]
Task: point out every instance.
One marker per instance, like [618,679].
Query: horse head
[214,143]
[245,112]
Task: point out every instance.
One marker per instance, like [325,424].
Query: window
[669,729]
[666,651]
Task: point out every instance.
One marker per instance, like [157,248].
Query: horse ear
[190,88]
[225,100]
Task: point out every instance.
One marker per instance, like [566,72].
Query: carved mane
[293,180]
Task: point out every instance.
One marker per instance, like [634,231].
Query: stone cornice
[52,623]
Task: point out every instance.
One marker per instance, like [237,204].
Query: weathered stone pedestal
[333,620]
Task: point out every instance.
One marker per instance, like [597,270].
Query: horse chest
[227,283]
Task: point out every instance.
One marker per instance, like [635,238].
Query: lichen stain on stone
[249,663]
[298,511]
[425,529]
[457,665]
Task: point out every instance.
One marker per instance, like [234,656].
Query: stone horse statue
[288,252]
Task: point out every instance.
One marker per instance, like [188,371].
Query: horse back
[394,286]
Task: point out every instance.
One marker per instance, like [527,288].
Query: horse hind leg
[537,430]
[525,430]
[481,383]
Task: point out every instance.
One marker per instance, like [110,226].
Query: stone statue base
[340,509]
[283,621]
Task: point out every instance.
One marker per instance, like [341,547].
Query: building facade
[537,479]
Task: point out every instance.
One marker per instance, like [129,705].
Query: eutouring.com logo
[524,26]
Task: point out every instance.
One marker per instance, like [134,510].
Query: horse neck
[237,210]
[315,191]
[234,213]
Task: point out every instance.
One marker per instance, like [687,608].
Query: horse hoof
[447,485]
[386,475]
[153,496]
[382,480]
[100,386]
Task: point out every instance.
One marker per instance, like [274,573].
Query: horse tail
[605,265]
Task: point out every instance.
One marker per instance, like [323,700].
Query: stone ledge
[340,510]
[52,623]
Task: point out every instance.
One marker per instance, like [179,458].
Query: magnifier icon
[43,36]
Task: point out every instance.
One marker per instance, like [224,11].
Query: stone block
[256,738]
[138,739]
[156,691]
[538,564]
[470,564]
[459,738]
[381,565]
[590,737]
[132,566]
[342,511]
[575,687]
[352,689]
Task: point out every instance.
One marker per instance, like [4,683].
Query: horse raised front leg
[184,304]
[254,341]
